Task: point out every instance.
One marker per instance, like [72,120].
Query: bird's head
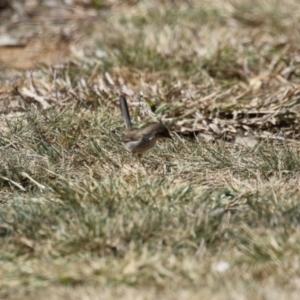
[161,131]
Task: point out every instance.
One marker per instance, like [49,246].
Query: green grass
[75,223]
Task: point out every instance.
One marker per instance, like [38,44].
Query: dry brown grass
[218,216]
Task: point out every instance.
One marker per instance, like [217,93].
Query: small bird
[141,140]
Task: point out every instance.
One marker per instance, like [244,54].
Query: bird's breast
[141,145]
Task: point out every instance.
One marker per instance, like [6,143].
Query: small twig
[14,183]
[42,187]
[55,174]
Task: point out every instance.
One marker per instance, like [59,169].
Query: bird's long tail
[125,112]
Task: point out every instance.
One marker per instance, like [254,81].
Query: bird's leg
[141,162]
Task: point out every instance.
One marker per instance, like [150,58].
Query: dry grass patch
[83,212]
[214,214]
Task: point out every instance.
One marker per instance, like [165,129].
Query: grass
[71,222]
[213,214]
